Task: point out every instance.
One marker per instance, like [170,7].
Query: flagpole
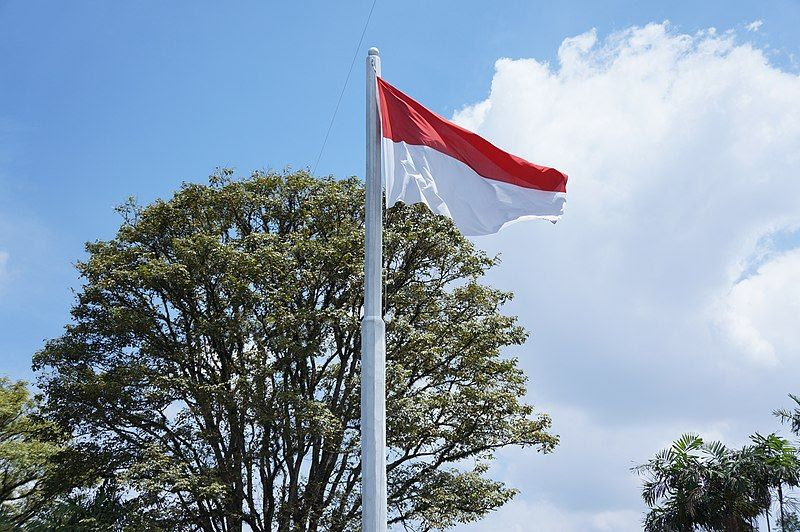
[373,334]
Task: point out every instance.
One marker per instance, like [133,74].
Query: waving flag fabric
[427,159]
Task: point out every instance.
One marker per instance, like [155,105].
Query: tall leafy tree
[27,446]
[211,369]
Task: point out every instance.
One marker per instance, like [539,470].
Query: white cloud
[755,25]
[760,313]
[546,516]
[684,157]
[3,262]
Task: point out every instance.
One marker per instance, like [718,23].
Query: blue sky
[100,101]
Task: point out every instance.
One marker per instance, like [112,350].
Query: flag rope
[344,87]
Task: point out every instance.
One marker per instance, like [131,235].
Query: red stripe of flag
[405,120]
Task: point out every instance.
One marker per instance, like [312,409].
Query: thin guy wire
[344,87]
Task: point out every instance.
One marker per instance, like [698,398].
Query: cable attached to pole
[344,87]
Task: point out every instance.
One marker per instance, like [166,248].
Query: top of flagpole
[373,51]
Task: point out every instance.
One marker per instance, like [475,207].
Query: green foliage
[790,523]
[211,370]
[791,416]
[697,485]
[27,446]
[778,460]
[92,510]
[694,484]
[780,466]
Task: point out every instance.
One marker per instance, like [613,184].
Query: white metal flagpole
[373,333]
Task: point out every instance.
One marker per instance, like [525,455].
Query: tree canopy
[27,446]
[211,368]
[698,485]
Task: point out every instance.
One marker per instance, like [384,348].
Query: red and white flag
[430,160]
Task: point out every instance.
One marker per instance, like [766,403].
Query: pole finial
[373,51]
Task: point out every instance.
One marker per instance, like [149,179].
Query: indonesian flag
[430,160]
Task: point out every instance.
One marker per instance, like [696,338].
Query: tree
[792,417]
[27,445]
[790,523]
[697,485]
[82,510]
[211,369]
[778,464]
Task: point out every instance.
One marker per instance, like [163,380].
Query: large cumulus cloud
[667,298]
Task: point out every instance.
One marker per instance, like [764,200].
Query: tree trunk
[767,514]
[780,502]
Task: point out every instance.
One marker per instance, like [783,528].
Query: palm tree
[694,485]
[791,416]
[791,523]
[779,463]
